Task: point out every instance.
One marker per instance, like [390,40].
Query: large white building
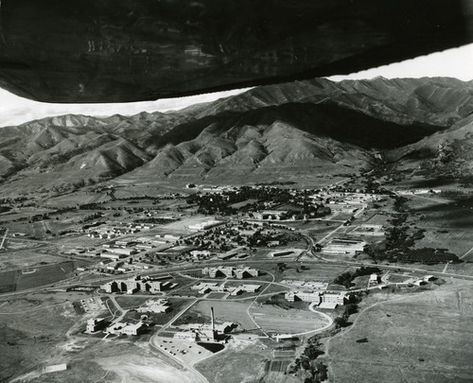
[123,328]
[305,296]
[344,246]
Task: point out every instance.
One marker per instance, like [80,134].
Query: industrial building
[204,332]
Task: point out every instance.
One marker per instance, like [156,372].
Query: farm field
[420,337]
[274,319]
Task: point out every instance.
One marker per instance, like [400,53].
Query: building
[112,256]
[95,324]
[332,300]
[344,246]
[230,272]
[54,368]
[123,328]
[305,296]
[133,285]
[369,230]
[374,279]
[125,251]
[205,332]
[281,253]
[246,288]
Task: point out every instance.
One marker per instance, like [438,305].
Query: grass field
[30,329]
[421,337]
[46,275]
[274,319]
[456,241]
[442,214]
[323,272]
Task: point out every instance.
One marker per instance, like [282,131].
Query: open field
[442,213]
[17,280]
[27,258]
[420,337]
[323,272]
[456,241]
[30,329]
[293,321]
[238,363]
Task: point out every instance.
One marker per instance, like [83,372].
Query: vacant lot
[236,364]
[421,337]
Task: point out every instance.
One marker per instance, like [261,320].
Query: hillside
[296,131]
[445,155]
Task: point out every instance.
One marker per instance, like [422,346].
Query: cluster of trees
[346,278]
[214,203]
[315,371]
[400,239]
[343,319]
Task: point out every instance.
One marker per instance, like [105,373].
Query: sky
[455,62]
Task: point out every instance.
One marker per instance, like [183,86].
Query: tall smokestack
[212,318]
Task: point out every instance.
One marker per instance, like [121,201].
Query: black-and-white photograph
[236,191]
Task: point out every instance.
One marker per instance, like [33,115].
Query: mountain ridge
[282,131]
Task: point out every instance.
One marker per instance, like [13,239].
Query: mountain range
[291,131]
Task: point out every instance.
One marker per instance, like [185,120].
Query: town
[220,268]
